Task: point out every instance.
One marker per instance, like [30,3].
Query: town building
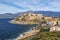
[55,28]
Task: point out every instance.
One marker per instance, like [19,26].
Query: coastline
[27,34]
[22,23]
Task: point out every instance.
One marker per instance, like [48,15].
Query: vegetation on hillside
[48,36]
[45,34]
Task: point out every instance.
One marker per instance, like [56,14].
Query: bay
[12,31]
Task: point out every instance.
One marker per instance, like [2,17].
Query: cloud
[9,9]
[25,5]
[11,3]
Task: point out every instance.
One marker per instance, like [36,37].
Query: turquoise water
[11,31]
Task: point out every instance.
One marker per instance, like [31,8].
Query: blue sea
[11,31]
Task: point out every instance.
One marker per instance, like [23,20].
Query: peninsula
[27,18]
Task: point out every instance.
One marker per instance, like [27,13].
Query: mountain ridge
[45,13]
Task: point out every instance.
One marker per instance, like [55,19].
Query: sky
[14,6]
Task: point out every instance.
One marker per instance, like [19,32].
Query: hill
[27,18]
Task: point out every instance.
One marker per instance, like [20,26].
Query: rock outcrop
[27,18]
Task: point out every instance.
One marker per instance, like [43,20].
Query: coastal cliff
[27,18]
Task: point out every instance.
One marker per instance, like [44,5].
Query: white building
[51,23]
[55,28]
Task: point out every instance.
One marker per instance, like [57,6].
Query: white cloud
[45,5]
[7,9]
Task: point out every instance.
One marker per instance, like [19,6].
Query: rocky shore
[28,34]
[22,23]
